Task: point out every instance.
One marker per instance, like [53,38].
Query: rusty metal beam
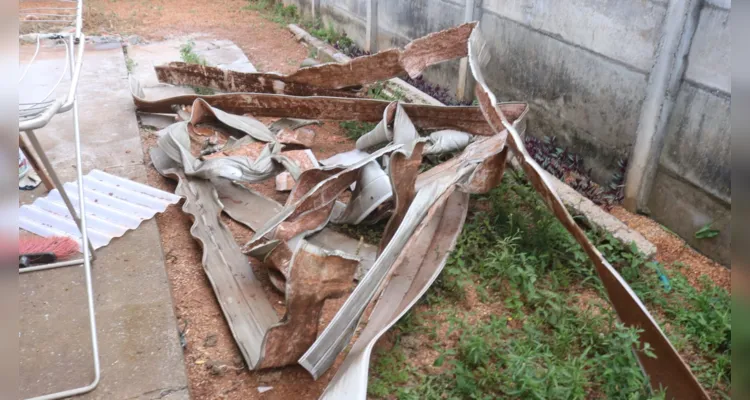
[468,119]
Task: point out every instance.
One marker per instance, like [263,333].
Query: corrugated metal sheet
[114,205]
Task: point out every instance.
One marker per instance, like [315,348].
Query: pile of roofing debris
[309,262]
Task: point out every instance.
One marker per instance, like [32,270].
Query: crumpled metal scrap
[428,210]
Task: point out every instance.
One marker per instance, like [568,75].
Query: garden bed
[519,313]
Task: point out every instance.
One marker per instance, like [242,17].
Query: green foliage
[130,64]
[370,233]
[203,91]
[337,39]
[706,232]
[275,11]
[391,370]
[556,337]
[258,5]
[285,14]
[378,91]
[327,34]
[189,56]
[355,129]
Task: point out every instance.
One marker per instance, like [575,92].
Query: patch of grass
[552,333]
[258,5]
[189,56]
[275,11]
[393,373]
[312,52]
[203,91]
[337,39]
[355,129]
[379,91]
[130,65]
[706,232]
[327,34]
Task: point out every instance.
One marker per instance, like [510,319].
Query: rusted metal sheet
[301,137]
[315,190]
[252,150]
[413,273]
[468,119]
[291,124]
[446,141]
[372,190]
[180,73]
[445,45]
[667,369]
[242,205]
[319,80]
[201,112]
[337,334]
[421,201]
[314,275]
[245,306]
[404,169]
[304,159]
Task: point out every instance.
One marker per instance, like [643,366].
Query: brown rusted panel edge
[440,46]
[403,172]
[326,78]
[358,71]
[467,118]
[413,273]
[180,73]
[314,276]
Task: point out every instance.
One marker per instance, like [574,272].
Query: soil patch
[671,250]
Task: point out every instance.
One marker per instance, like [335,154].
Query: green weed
[555,335]
[188,55]
[258,5]
[378,91]
[130,64]
[275,11]
[706,232]
[355,129]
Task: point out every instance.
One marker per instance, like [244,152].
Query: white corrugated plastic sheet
[114,205]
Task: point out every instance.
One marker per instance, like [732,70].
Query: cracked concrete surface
[139,346]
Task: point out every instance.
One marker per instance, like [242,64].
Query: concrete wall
[693,183]
[583,66]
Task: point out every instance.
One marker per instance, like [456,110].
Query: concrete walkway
[140,351]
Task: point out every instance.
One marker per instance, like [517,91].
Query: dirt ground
[214,364]
[269,46]
[671,250]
